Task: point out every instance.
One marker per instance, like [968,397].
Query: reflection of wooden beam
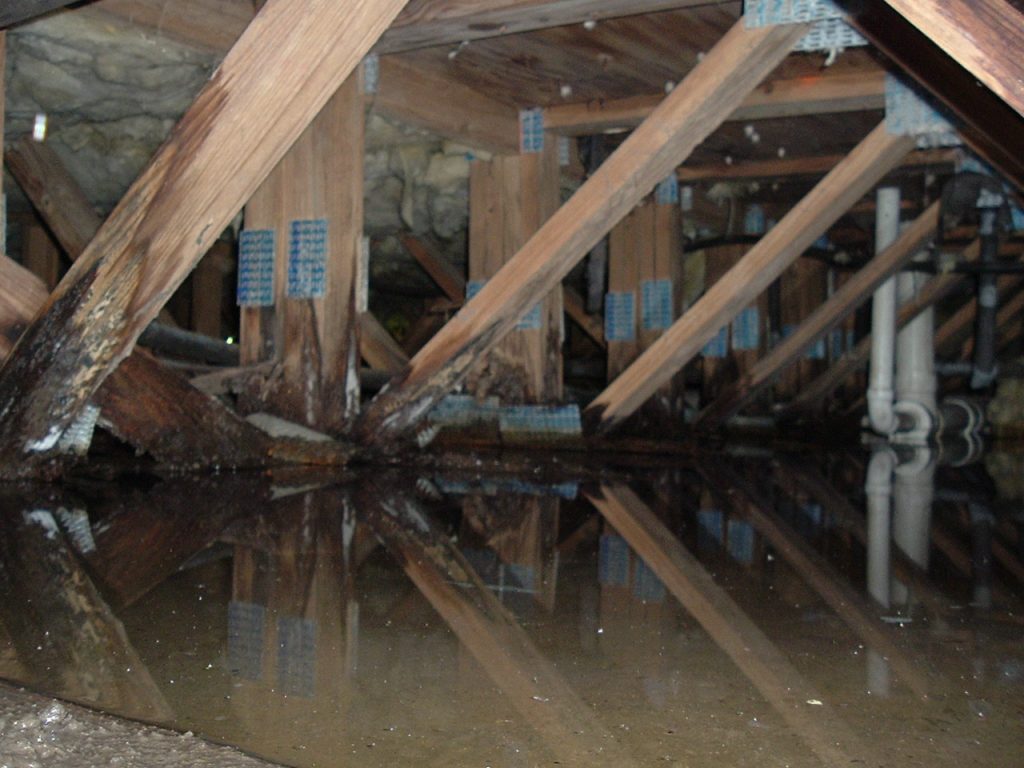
[64,633]
[198,180]
[694,109]
[770,672]
[984,36]
[529,681]
[846,92]
[823,319]
[936,289]
[848,604]
[875,156]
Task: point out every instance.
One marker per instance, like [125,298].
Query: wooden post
[693,109]
[847,182]
[510,198]
[208,289]
[272,83]
[802,289]
[981,35]
[823,319]
[771,673]
[312,204]
[645,270]
[41,256]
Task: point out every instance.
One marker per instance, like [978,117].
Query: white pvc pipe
[883,319]
[915,363]
[878,489]
[913,491]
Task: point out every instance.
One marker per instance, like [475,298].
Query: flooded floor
[741,610]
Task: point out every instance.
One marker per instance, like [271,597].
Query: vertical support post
[312,203]
[803,289]
[41,255]
[208,289]
[511,196]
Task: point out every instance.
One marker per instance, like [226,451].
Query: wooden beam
[741,496]
[989,125]
[270,86]
[208,25]
[775,678]
[468,116]
[484,626]
[694,109]
[984,36]
[875,156]
[812,395]
[380,351]
[426,23]
[41,256]
[313,324]
[18,11]
[801,166]
[826,317]
[453,285]
[821,94]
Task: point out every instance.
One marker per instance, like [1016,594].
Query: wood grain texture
[446,107]
[694,109]
[271,85]
[812,395]
[984,36]
[825,93]
[378,348]
[823,319]
[875,156]
[775,678]
[989,125]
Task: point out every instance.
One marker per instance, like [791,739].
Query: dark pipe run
[988,300]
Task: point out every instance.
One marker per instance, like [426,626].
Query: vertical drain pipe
[915,366]
[883,319]
[985,328]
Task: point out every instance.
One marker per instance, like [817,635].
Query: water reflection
[799,610]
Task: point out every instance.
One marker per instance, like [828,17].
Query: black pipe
[988,301]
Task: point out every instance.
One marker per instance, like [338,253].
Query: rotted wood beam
[822,320]
[874,157]
[268,89]
[692,111]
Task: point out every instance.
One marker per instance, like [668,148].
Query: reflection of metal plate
[245,639]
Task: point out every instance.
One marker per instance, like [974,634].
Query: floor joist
[695,108]
[271,85]
[875,156]
[826,317]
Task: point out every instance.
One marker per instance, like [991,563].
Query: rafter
[271,85]
[822,320]
[694,109]
[875,156]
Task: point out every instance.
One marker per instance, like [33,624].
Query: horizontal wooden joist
[216,24]
[825,93]
[799,166]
